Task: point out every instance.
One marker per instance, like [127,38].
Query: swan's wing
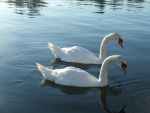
[78,54]
[55,50]
[72,76]
[48,74]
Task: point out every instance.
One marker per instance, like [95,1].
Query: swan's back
[79,54]
[72,76]
[69,76]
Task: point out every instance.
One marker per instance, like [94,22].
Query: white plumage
[72,76]
[79,54]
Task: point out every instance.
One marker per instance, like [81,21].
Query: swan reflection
[103,95]
[70,90]
[121,110]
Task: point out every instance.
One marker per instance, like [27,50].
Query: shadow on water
[70,90]
[57,63]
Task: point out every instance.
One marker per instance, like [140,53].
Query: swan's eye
[123,65]
[120,40]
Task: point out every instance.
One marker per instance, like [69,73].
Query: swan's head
[117,38]
[122,63]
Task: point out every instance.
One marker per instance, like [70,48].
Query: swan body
[79,54]
[72,76]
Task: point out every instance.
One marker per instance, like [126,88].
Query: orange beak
[124,70]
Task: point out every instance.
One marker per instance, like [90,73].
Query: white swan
[79,54]
[72,76]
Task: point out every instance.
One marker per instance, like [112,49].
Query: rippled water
[27,25]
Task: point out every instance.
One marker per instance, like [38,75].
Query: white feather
[79,54]
[72,76]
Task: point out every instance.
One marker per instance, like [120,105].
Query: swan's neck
[102,54]
[103,78]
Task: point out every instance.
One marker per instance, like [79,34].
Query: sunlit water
[27,25]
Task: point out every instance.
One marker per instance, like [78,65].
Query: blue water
[26,26]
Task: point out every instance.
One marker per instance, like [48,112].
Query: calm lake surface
[26,27]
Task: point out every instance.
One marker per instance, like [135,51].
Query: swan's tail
[55,49]
[47,73]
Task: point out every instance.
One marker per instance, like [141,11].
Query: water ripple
[138,94]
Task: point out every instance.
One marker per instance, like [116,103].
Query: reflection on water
[69,90]
[114,5]
[121,110]
[32,8]
[132,5]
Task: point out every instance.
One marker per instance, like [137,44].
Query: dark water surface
[27,25]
